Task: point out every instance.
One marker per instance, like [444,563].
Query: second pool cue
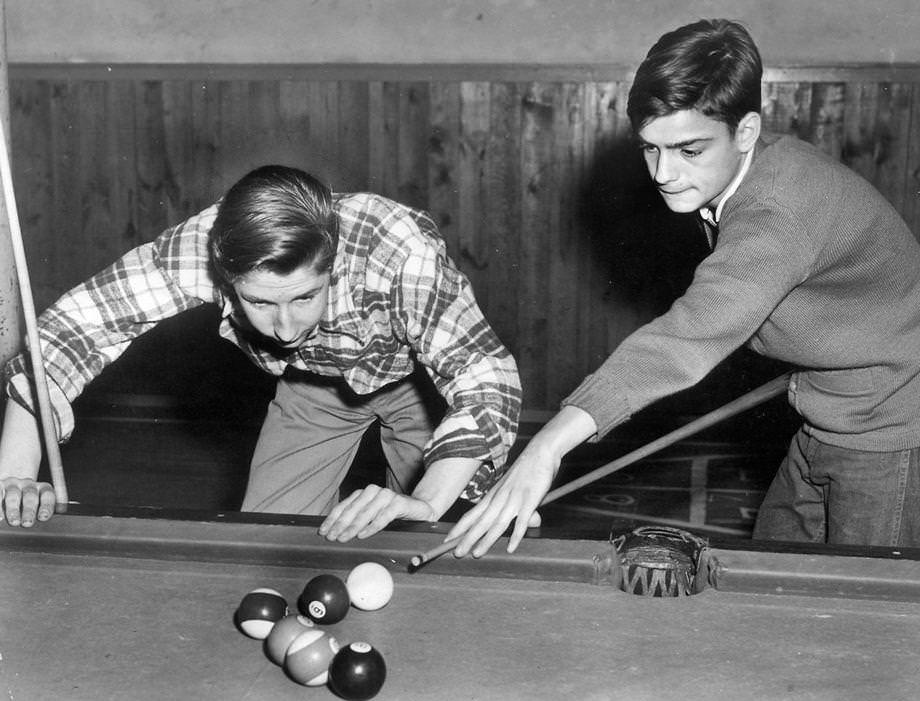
[746,401]
[49,432]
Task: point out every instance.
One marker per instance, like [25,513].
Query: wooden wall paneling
[95,174]
[353,136]
[295,138]
[69,264]
[538,192]
[443,162]
[471,231]
[261,125]
[861,129]
[383,111]
[609,125]
[179,146]
[912,176]
[204,180]
[786,108]
[894,142]
[827,109]
[158,197]
[566,245]
[323,110]
[502,229]
[231,161]
[31,159]
[412,144]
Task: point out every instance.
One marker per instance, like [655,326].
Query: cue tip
[429,555]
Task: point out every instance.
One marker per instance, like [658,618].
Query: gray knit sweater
[813,267]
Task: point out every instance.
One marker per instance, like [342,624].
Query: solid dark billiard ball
[308,658]
[324,599]
[370,586]
[283,634]
[357,672]
[258,612]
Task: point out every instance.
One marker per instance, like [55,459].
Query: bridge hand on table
[366,511]
[25,500]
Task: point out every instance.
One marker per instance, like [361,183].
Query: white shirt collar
[714,217]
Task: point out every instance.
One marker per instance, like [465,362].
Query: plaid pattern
[395,297]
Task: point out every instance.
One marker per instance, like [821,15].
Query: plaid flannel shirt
[395,297]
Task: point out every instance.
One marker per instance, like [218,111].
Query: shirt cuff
[19,389]
[600,398]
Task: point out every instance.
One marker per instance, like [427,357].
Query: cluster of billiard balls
[309,654]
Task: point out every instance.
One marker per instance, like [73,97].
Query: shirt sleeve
[437,315]
[760,257]
[93,324]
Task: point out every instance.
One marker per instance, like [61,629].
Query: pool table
[133,605]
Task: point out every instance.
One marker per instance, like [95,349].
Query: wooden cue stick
[49,432]
[743,403]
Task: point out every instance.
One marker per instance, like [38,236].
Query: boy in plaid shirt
[343,298]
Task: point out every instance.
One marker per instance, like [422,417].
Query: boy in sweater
[350,300]
[809,265]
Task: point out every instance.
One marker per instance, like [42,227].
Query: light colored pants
[826,494]
[312,432]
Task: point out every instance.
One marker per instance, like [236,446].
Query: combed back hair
[712,66]
[273,219]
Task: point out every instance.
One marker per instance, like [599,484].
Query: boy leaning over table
[350,300]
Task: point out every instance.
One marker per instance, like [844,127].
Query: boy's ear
[747,132]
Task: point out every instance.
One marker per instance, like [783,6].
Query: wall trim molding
[431,72]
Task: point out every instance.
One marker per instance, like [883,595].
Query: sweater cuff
[602,400]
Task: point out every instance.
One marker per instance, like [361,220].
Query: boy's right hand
[25,500]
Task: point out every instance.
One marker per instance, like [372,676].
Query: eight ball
[324,599]
[357,672]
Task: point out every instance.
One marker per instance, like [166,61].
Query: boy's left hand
[369,510]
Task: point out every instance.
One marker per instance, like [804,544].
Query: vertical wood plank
[295,124]
[471,171]
[786,109]
[893,138]
[912,174]
[566,247]
[502,215]
[69,267]
[537,149]
[827,111]
[443,162]
[412,145]
[861,135]
[353,136]
[32,157]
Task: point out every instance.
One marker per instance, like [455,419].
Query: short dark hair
[712,66]
[274,218]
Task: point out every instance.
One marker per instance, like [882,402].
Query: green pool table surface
[126,607]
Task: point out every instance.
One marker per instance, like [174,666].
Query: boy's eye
[690,152]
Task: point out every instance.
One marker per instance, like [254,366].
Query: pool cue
[747,401]
[49,432]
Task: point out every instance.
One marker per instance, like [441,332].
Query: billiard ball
[308,657]
[357,672]
[324,599]
[370,586]
[258,612]
[283,634]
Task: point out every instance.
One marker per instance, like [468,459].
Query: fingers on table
[24,501]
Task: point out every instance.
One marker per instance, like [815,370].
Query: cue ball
[370,586]
[324,599]
[258,612]
[357,672]
[308,658]
[283,634]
